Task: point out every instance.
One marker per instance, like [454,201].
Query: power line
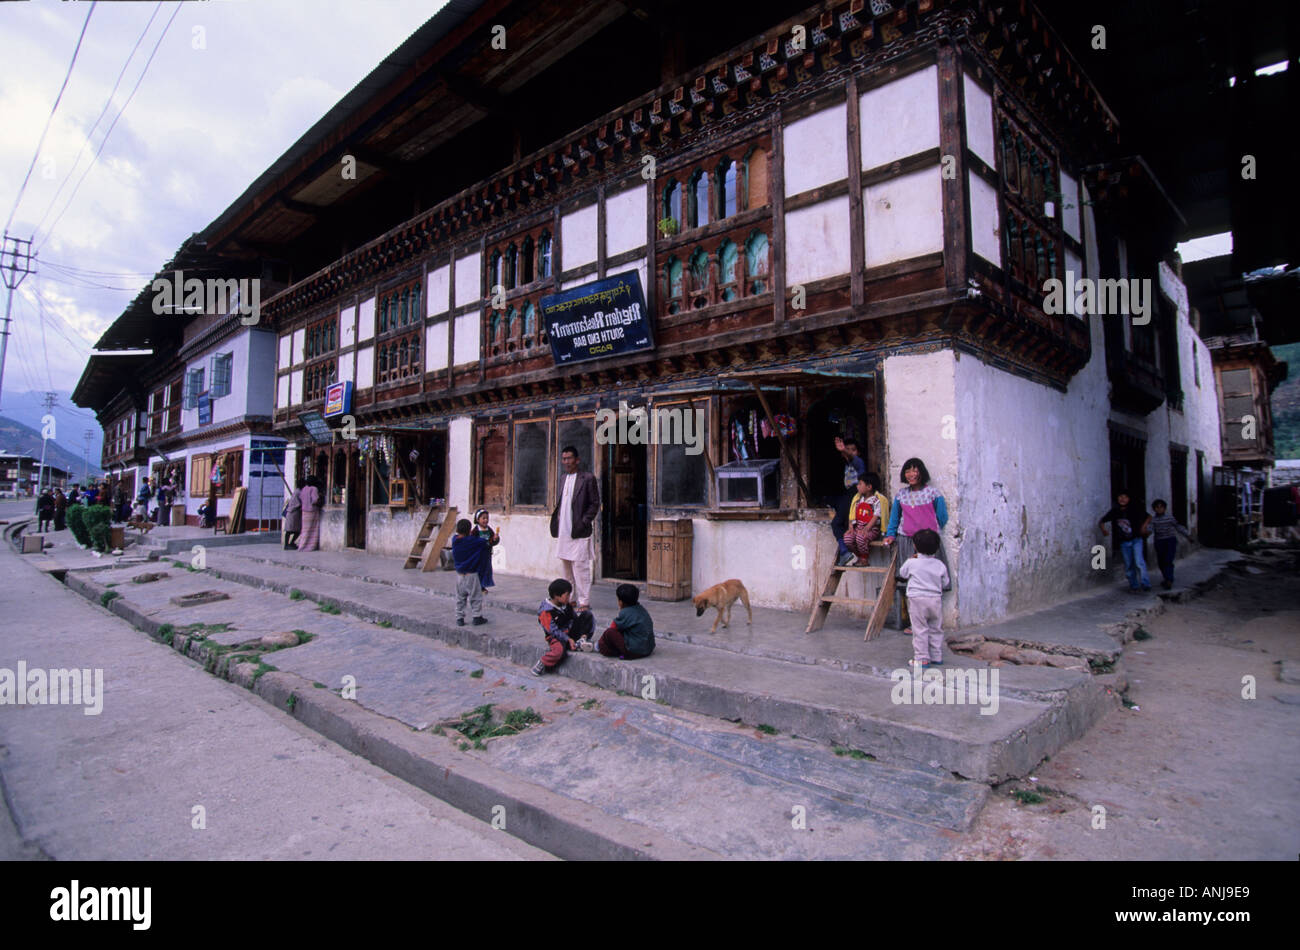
[107,102]
[22,188]
[112,125]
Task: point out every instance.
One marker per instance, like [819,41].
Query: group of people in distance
[1131,526]
[52,503]
[914,522]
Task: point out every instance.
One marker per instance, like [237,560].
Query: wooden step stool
[431,538]
[879,606]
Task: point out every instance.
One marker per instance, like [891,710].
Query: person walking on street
[312,503]
[45,510]
[1132,524]
[293,517]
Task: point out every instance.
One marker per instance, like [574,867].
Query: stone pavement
[637,778]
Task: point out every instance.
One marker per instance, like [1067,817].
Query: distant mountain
[71,422]
[19,439]
[1286,404]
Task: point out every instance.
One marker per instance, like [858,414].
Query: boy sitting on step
[632,634]
[564,628]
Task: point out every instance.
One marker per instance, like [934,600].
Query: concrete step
[856,710]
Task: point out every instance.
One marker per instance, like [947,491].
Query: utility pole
[50,399]
[90,434]
[16,262]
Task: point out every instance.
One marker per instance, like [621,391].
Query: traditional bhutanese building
[837,221]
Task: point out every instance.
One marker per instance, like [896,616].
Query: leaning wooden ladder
[879,607]
[424,552]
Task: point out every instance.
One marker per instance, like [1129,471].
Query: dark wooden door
[356,502]
[625,509]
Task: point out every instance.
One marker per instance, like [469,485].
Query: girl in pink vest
[917,505]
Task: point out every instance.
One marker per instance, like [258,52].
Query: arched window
[383,361]
[512,263]
[699,278]
[756,262]
[512,317]
[673,285]
[526,261]
[544,255]
[417,315]
[728,258]
[495,280]
[403,357]
[405,311]
[672,204]
[726,189]
[530,324]
[699,210]
[494,328]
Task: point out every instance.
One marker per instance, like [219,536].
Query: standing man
[571,525]
[1132,525]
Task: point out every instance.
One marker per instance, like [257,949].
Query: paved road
[173,744]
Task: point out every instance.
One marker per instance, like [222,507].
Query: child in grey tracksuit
[926,578]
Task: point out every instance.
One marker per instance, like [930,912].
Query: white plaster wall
[783,563]
[440,290]
[817,241]
[578,281]
[245,376]
[900,118]
[1035,477]
[345,368]
[467,279]
[986,237]
[299,341]
[347,326]
[466,340]
[1070,218]
[979,122]
[282,392]
[460,435]
[260,387]
[435,349]
[295,387]
[365,368]
[903,217]
[920,392]
[366,320]
[816,150]
[286,343]
[577,238]
[625,221]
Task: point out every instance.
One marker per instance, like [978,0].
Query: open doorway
[836,413]
[624,514]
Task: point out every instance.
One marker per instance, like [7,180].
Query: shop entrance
[839,413]
[355,503]
[624,514]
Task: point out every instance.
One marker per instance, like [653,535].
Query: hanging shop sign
[338,399]
[604,318]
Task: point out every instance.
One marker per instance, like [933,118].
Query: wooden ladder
[879,607]
[424,552]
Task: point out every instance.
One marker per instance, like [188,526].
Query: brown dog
[721,597]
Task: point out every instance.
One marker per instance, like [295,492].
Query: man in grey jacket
[572,524]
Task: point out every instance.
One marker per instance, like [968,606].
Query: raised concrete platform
[830,686]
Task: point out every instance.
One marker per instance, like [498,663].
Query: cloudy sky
[232,84]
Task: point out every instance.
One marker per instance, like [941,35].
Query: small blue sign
[205,409]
